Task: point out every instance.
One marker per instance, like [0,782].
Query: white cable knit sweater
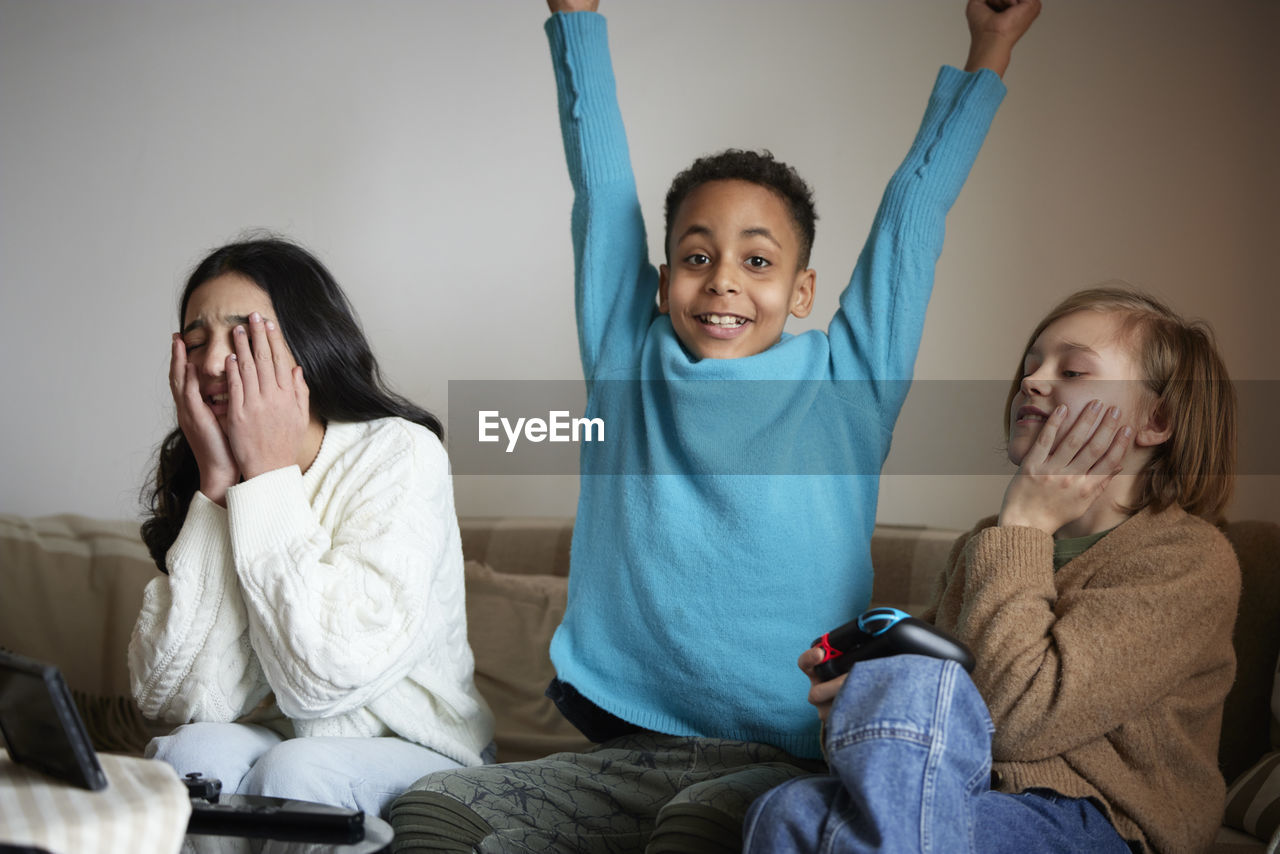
[340,591]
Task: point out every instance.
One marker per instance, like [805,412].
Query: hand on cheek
[217,465]
[1058,481]
[269,403]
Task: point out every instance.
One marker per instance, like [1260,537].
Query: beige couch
[70,588]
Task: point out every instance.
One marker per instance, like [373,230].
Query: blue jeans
[909,744]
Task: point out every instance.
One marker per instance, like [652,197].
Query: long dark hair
[321,330]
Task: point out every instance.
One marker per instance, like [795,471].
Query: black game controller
[213,814]
[882,632]
[275,818]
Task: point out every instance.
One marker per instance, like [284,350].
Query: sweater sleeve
[876,330]
[337,595]
[615,287]
[189,656]
[1059,671]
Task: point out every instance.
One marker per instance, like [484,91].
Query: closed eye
[1072,374]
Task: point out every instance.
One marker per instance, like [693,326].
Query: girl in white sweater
[309,629]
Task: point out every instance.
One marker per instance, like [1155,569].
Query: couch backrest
[71,588]
[908,560]
[907,557]
[518,545]
[70,592]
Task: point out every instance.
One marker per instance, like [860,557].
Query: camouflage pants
[638,793]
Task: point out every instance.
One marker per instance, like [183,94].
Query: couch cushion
[907,561]
[70,591]
[1230,841]
[73,588]
[1253,801]
[510,620]
[1246,719]
[518,545]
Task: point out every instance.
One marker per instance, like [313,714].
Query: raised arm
[615,286]
[876,332]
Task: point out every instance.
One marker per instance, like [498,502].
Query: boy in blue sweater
[688,594]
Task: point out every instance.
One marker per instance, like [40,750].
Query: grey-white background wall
[413,144]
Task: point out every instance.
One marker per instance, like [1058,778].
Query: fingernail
[1114,413]
[1095,405]
[239,330]
[254,317]
[1128,431]
[271,324]
[1060,409]
[233,358]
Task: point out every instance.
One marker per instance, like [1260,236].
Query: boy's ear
[1155,432]
[802,292]
[664,307]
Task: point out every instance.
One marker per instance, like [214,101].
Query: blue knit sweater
[726,523]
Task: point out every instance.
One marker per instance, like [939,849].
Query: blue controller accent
[881,632]
[877,621]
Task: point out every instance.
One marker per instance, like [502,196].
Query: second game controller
[881,632]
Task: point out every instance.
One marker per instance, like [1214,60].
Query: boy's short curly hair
[757,167]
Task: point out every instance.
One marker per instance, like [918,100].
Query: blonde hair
[1191,392]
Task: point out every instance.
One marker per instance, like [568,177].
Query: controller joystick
[203,788]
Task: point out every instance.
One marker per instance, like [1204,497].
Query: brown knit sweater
[1106,679]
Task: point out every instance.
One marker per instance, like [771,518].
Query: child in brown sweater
[1099,605]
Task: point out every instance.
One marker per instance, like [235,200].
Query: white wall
[414,145]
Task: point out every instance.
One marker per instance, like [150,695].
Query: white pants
[366,774]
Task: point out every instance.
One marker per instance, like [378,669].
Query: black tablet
[41,726]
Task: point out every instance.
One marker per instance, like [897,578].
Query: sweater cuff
[963,105]
[266,511]
[204,540]
[1006,554]
[961,108]
[984,80]
[981,92]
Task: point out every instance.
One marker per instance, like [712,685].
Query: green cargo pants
[642,792]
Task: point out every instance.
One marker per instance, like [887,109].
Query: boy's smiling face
[734,276]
